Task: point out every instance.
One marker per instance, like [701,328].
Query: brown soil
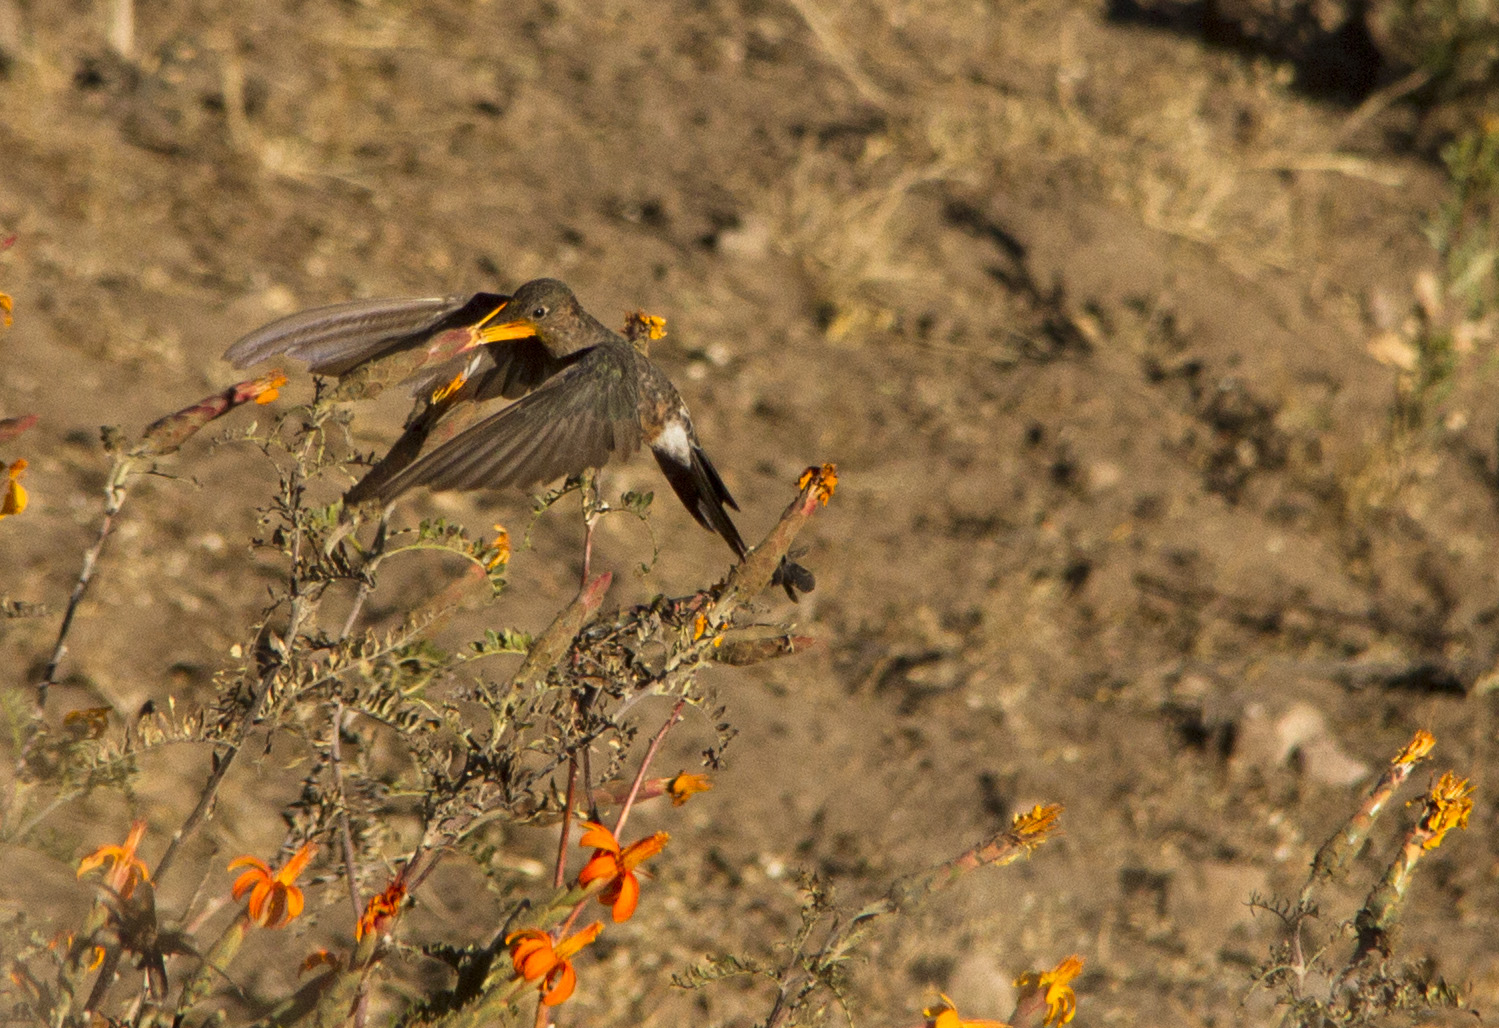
[1088,314]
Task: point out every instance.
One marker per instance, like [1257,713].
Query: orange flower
[536,958]
[684,785]
[945,1015]
[275,898]
[1052,986]
[266,388]
[617,866]
[15,498]
[381,908]
[126,870]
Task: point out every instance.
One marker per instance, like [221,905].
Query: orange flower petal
[531,953]
[538,961]
[249,861]
[576,941]
[566,981]
[627,895]
[297,864]
[599,837]
[294,902]
[245,882]
[603,864]
[644,849]
[260,896]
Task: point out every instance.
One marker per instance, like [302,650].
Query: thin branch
[645,763]
[559,875]
[115,491]
[335,752]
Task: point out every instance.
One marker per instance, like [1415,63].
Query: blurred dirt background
[1101,309]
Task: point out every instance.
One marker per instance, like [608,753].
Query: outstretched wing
[578,420]
[336,339]
[341,336]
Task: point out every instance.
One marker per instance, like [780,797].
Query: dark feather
[578,420]
[702,492]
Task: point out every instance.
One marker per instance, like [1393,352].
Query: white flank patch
[673,440]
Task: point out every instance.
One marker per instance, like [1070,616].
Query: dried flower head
[381,909]
[823,481]
[1037,824]
[641,327]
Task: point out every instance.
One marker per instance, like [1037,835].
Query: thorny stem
[590,494]
[115,491]
[335,752]
[645,763]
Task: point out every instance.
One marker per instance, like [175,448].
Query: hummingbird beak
[484,333]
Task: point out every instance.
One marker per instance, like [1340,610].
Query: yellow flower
[824,480]
[126,870]
[275,899]
[1053,987]
[1419,746]
[684,785]
[1039,822]
[640,325]
[537,959]
[618,866]
[501,547]
[15,498]
[945,1015]
[1448,805]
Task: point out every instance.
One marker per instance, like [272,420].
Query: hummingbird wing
[578,420]
[340,336]
[336,339]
